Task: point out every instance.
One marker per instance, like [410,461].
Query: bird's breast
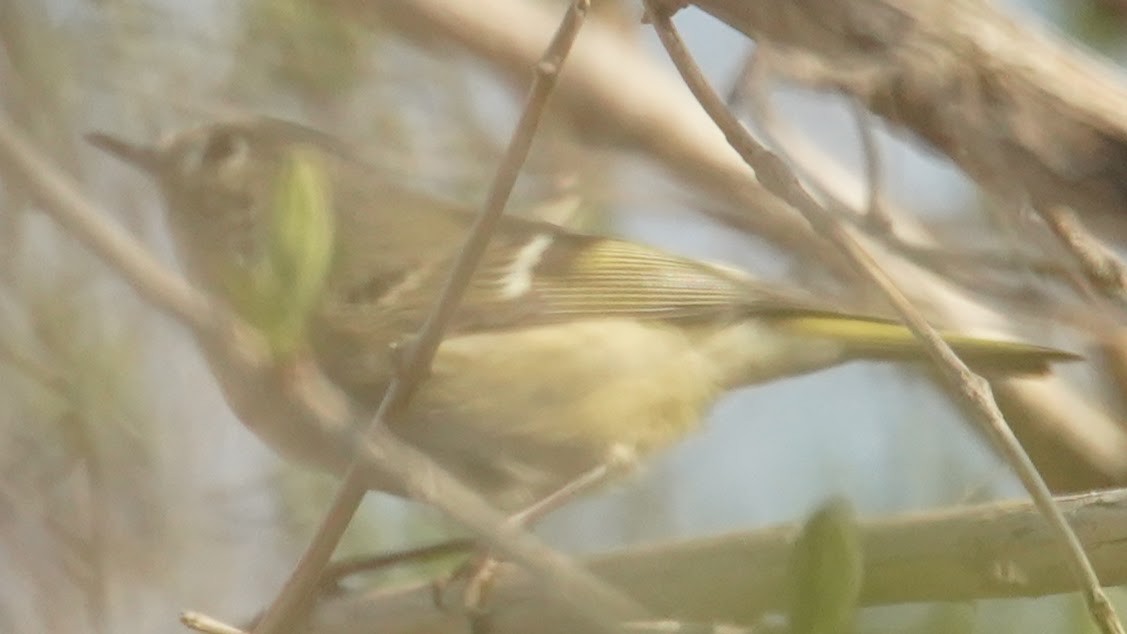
[519,413]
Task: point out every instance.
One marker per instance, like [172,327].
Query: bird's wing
[536,273]
[561,276]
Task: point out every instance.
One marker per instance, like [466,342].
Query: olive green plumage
[567,349]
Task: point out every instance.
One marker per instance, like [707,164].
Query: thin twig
[877,219]
[206,624]
[751,89]
[737,92]
[32,368]
[776,131]
[874,217]
[1100,264]
[338,570]
[973,389]
[1001,550]
[999,260]
[162,288]
[419,354]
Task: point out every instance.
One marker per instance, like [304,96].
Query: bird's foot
[476,578]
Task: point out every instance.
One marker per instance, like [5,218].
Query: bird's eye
[223,147]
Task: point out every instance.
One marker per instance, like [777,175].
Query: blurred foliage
[42,86]
[299,46]
[82,496]
[1100,23]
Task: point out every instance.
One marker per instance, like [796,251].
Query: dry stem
[997,550]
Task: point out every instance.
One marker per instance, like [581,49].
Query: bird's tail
[874,338]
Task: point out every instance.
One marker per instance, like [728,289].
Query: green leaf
[826,571]
[300,247]
[280,290]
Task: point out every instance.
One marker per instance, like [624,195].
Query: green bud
[826,571]
[283,287]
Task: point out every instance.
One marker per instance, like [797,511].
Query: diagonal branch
[162,288]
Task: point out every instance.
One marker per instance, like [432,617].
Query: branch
[162,288]
[994,551]
[1101,266]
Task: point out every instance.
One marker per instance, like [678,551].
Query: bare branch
[1101,265]
[153,281]
[998,550]
[206,624]
[876,218]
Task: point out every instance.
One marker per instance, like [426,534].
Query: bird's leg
[480,571]
[340,569]
[586,482]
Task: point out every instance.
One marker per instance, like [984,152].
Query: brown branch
[206,624]
[1101,266]
[32,368]
[69,208]
[974,391]
[341,569]
[992,551]
[876,218]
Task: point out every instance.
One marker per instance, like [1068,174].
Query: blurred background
[129,492]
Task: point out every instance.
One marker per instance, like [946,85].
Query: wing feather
[574,276]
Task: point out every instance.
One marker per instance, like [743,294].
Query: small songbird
[568,350]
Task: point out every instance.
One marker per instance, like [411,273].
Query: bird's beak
[145,158]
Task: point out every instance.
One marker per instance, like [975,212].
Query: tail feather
[874,338]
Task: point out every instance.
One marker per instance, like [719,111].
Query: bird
[569,351]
